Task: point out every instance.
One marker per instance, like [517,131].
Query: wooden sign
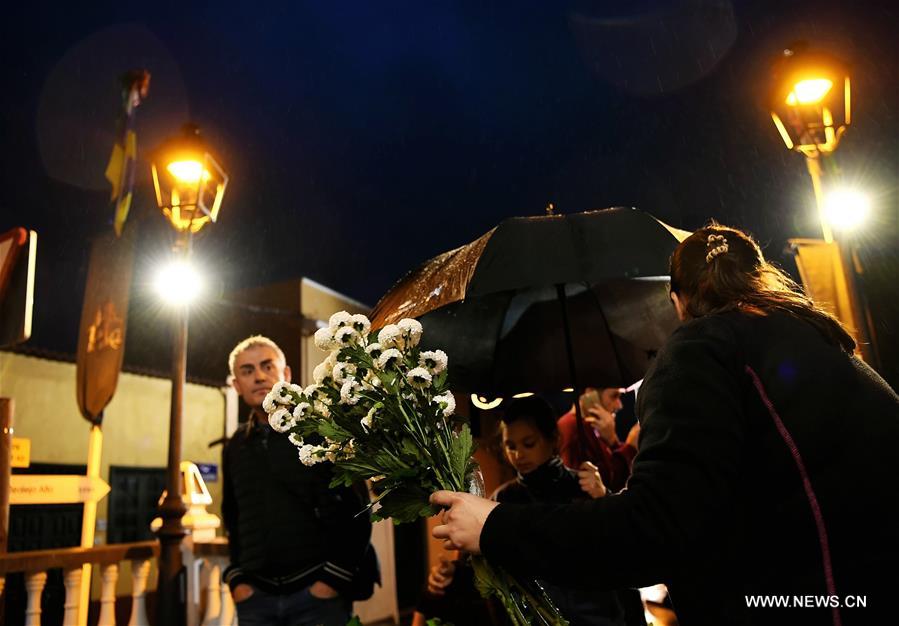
[104,319]
[50,489]
[20,454]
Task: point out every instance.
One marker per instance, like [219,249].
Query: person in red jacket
[599,443]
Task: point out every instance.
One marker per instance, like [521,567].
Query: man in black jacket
[296,546]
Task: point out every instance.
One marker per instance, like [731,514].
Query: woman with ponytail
[764,491]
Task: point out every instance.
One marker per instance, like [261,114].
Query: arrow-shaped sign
[50,489]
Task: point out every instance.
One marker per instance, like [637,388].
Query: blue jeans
[300,608]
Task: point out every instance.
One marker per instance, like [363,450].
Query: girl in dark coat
[764,492]
[531,444]
[530,440]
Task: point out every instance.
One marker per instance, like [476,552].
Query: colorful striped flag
[123,160]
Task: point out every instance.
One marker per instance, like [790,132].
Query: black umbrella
[544,303]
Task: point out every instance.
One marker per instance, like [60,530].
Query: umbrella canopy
[503,304]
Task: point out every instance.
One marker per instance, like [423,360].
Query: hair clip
[717,244]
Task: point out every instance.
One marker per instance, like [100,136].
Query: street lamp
[810,106]
[810,102]
[190,185]
[189,182]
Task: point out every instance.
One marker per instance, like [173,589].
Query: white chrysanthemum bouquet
[379,410]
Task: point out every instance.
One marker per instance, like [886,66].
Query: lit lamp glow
[809,91]
[483,403]
[809,110]
[188,181]
[178,283]
[846,209]
[188,171]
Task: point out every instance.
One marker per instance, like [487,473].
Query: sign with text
[20,455]
[209,472]
[52,489]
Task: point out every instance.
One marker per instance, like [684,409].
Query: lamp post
[810,102]
[810,106]
[190,185]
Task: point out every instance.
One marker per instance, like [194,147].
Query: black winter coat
[553,483]
[286,528]
[767,467]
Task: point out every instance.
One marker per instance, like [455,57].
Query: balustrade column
[228,610]
[72,582]
[110,576]
[213,614]
[140,571]
[34,583]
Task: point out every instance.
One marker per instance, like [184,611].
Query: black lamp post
[190,185]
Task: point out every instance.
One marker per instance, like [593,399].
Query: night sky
[365,137]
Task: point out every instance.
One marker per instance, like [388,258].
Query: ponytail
[718,269]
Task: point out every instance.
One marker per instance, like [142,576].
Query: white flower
[433,361]
[447,403]
[310,455]
[343,372]
[419,377]
[324,338]
[360,323]
[302,411]
[281,392]
[322,372]
[349,392]
[270,404]
[316,393]
[347,336]
[374,350]
[296,440]
[281,420]
[411,331]
[389,336]
[322,409]
[389,358]
[339,320]
[295,389]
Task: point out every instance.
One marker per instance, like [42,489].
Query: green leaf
[461,449]
[405,504]
[332,431]
[410,447]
